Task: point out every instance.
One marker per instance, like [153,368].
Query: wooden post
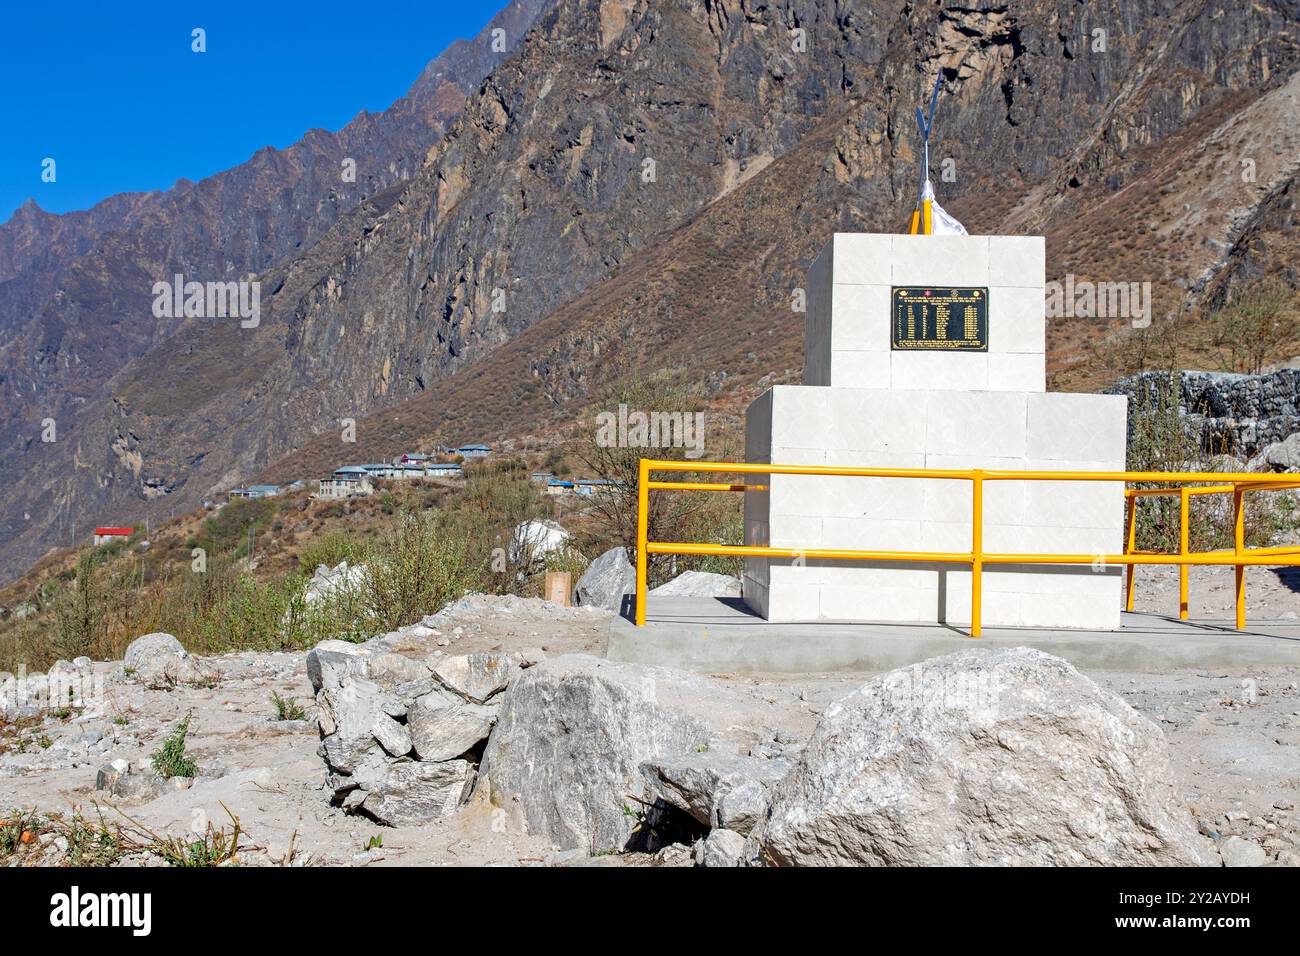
[558,587]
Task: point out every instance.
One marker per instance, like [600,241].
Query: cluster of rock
[399,733]
[1244,416]
[982,757]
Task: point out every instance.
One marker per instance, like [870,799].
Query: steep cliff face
[643,185]
[75,290]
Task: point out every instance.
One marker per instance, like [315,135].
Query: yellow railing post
[1129,548]
[1184,501]
[642,524]
[1238,545]
[976,551]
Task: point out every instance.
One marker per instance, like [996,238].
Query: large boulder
[984,757]
[571,736]
[533,541]
[155,656]
[337,581]
[700,584]
[606,580]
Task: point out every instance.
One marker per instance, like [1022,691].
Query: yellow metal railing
[1219,483]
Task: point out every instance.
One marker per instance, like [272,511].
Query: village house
[108,535]
[412,458]
[350,481]
[263,491]
[444,469]
[473,451]
[557,487]
[542,477]
[587,487]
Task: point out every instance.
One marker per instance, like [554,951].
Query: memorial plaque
[940,318]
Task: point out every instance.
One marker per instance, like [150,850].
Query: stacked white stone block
[866,405]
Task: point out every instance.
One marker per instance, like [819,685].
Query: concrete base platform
[723,635]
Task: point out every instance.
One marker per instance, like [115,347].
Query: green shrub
[82,612]
[329,549]
[170,760]
[1159,440]
[286,708]
[417,569]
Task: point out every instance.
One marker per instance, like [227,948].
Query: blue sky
[113,93]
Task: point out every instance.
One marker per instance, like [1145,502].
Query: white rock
[330,582]
[700,584]
[1238,852]
[984,757]
[411,793]
[392,736]
[476,677]
[533,541]
[717,789]
[443,731]
[329,661]
[154,656]
[720,848]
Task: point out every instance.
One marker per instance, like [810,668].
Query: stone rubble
[400,721]
[1246,416]
[556,759]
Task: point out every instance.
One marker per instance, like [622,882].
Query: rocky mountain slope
[76,289]
[642,187]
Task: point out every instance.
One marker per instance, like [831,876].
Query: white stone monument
[906,367]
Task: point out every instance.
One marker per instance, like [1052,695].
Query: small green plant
[212,848]
[286,708]
[120,720]
[90,843]
[45,742]
[18,831]
[376,842]
[170,760]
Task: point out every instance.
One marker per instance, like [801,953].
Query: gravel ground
[1234,738]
